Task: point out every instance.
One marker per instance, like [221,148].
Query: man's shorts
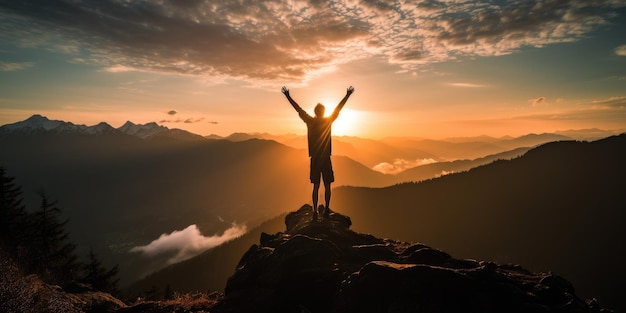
[322,167]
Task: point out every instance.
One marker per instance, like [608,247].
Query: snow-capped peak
[38,123]
[35,122]
[100,129]
[142,130]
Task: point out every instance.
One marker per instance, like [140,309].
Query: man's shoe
[326,212]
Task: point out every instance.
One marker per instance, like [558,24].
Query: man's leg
[327,198]
[315,176]
[329,176]
[315,197]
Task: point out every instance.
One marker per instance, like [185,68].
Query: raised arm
[342,103]
[294,104]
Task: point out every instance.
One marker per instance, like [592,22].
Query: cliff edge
[323,266]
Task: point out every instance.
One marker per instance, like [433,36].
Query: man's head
[319,110]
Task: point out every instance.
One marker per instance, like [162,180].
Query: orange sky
[420,68]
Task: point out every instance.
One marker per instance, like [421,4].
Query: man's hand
[285,91]
[349,92]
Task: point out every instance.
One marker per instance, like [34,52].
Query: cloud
[171,112]
[466,85]
[444,173]
[186,121]
[292,40]
[538,101]
[611,110]
[400,165]
[613,102]
[621,50]
[187,243]
[11,67]
[119,68]
[193,120]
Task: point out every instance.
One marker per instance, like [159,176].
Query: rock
[186,303]
[323,266]
[380,286]
[428,256]
[99,302]
[297,220]
[19,293]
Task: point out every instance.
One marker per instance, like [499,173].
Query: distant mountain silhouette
[589,134]
[111,181]
[559,207]
[41,124]
[372,152]
[325,267]
[429,171]
[474,147]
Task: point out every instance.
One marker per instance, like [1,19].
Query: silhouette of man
[319,137]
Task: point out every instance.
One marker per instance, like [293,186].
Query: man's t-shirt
[319,135]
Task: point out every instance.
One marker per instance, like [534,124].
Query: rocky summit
[323,266]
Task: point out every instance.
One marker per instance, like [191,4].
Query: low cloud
[171,112]
[444,173]
[193,120]
[613,102]
[621,50]
[181,245]
[400,165]
[293,40]
[183,120]
[466,85]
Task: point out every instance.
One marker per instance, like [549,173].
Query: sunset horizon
[432,69]
[340,131]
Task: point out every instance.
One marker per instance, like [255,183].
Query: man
[319,137]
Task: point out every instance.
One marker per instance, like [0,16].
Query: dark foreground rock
[19,293]
[322,266]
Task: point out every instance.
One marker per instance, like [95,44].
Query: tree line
[38,242]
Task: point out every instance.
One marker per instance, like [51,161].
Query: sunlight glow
[349,123]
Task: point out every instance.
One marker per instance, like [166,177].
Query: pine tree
[12,214]
[52,255]
[96,275]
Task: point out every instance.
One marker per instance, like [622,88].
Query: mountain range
[111,181]
[38,123]
[557,208]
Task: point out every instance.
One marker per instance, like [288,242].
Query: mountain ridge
[562,194]
[149,130]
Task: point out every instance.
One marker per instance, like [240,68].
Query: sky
[420,68]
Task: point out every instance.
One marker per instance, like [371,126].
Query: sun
[348,123]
